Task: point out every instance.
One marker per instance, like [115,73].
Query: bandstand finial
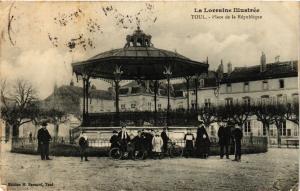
[138,38]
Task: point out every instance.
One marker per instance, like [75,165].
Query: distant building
[263,82]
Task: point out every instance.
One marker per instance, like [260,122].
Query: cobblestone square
[275,170]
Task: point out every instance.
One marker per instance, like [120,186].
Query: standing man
[124,138]
[224,139]
[165,139]
[238,135]
[83,143]
[43,141]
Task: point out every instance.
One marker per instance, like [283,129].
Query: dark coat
[164,137]
[83,143]
[120,138]
[237,134]
[114,140]
[147,140]
[224,134]
[138,142]
[202,144]
[43,136]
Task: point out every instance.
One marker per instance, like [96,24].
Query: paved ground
[275,170]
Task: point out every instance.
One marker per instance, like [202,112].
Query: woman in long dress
[202,142]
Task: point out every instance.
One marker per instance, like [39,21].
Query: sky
[41,39]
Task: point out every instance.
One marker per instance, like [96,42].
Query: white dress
[157,143]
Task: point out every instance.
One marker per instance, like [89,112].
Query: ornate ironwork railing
[143,118]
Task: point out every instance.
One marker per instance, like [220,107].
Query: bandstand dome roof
[144,62]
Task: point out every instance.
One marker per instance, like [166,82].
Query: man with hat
[124,138]
[224,134]
[165,139]
[43,141]
[238,135]
[114,140]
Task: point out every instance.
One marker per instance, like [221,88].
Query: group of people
[154,143]
[229,135]
[147,140]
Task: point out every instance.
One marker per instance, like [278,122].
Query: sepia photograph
[149,95]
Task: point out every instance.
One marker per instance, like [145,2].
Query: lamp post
[117,73]
[168,74]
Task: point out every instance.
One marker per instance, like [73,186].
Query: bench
[294,142]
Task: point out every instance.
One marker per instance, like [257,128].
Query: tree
[265,114]
[56,117]
[279,112]
[207,114]
[18,106]
[292,113]
[238,113]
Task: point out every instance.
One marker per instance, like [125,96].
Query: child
[189,143]
[157,143]
[83,143]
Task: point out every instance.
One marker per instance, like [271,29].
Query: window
[264,130]
[212,131]
[123,106]
[228,101]
[289,132]
[296,131]
[265,99]
[265,85]
[280,98]
[207,102]
[246,86]
[201,83]
[193,103]
[123,91]
[159,106]
[295,98]
[246,101]
[133,105]
[135,90]
[282,129]
[247,128]
[149,106]
[272,132]
[228,88]
[281,83]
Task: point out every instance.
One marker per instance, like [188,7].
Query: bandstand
[137,60]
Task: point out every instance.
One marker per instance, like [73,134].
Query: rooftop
[253,73]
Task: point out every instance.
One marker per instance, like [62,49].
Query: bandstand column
[87,97]
[168,74]
[117,74]
[196,93]
[83,102]
[155,101]
[188,92]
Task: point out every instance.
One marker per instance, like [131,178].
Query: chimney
[263,66]
[229,68]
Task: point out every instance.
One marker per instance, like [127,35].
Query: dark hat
[114,131]
[44,124]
